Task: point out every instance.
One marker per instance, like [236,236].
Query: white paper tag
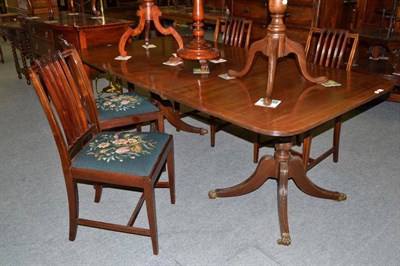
[99,17]
[226,76]
[31,17]
[331,83]
[148,46]
[273,104]
[73,14]
[379,91]
[169,63]
[123,57]
[217,61]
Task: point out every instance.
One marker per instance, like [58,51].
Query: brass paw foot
[212,194]
[342,197]
[285,240]
[203,131]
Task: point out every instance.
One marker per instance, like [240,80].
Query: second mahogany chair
[325,47]
[119,110]
[231,31]
[127,160]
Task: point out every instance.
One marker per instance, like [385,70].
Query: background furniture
[81,30]
[128,160]
[16,33]
[378,25]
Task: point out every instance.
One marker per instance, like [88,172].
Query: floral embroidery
[121,102]
[120,146]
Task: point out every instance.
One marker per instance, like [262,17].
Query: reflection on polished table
[304,105]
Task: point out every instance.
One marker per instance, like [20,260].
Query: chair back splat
[128,160]
[233,31]
[326,47]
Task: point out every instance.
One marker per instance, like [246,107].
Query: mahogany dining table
[303,107]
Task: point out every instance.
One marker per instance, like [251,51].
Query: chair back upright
[326,47]
[233,31]
[59,82]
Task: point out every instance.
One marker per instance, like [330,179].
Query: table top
[303,106]
[78,20]
[13,25]
[379,36]
[184,13]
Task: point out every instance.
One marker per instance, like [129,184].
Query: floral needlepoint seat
[125,104]
[123,152]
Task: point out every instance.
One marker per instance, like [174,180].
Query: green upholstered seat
[129,152]
[126,104]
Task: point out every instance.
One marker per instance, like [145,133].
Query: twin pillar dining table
[304,105]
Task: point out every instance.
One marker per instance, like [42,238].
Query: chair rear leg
[336,138]
[171,174]
[160,123]
[98,191]
[306,149]
[256,147]
[1,56]
[212,130]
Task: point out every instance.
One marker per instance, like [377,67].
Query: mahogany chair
[127,160]
[230,31]
[233,31]
[119,110]
[325,47]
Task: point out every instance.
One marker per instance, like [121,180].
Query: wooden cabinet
[256,10]
[39,7]
[81,30]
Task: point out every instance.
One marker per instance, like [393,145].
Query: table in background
[82,30]
[16,33]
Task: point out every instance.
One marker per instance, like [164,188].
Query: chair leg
[151,214]
[336,138]
[171,174]
[160,124]
[306,149]
[177,107]
[1,56]
[73,204]
[98,191]
[212,130]
[256,147]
